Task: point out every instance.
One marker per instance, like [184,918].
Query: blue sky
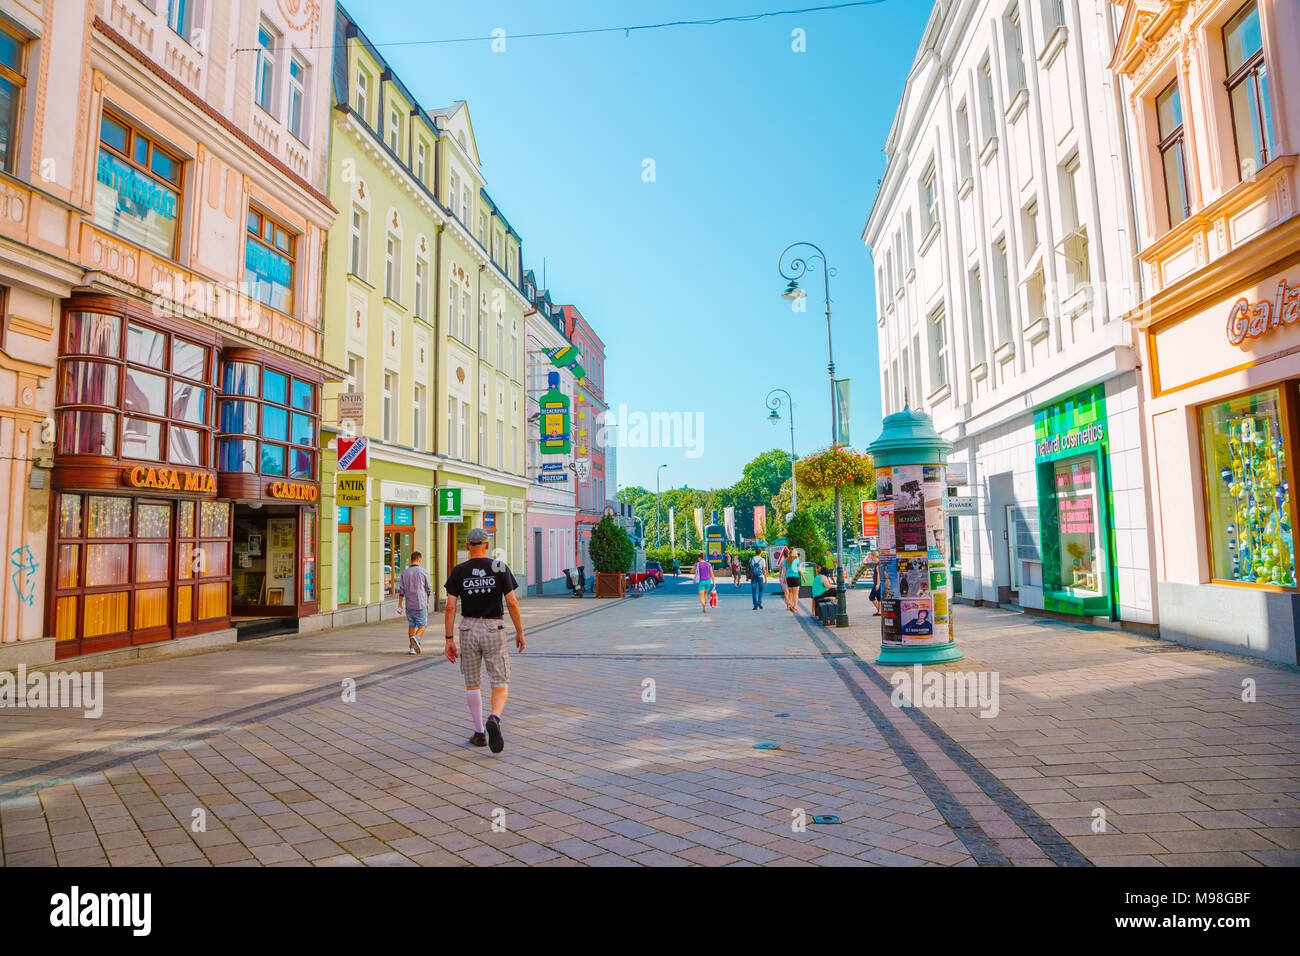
[755,146]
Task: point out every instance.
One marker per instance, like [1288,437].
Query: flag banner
[760,522]
[672,526]
[699,522]
[842,400]
[729,519]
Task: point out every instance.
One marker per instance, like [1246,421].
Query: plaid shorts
[483,641]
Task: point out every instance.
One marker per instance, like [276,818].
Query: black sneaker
[478,740]
[496,743]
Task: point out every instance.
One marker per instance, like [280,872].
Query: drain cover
[826,818]
[767,746]
[781,715]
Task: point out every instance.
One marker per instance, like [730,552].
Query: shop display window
[1244,448]
[119,559]
[1082,559]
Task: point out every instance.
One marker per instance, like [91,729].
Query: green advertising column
[916,623]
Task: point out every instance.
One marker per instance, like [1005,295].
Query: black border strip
[1058,849]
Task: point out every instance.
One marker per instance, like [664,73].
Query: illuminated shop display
[1248,492]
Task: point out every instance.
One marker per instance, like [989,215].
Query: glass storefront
[114,561]
[1072,454]
[1247,490]
[1081,563]
[266,559]
[399,538]
[343,557]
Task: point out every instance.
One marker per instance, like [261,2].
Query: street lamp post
[794,269]
[774,403]
[657,519]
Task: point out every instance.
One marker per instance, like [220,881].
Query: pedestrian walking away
[757,579]
[415,591]
[873,565]
[703,581]
[790,573]
[735,571]
[485,588]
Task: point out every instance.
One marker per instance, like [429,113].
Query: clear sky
[754,146]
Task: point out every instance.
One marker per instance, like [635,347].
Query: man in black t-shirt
[482,585]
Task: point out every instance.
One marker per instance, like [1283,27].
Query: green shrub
[610,548]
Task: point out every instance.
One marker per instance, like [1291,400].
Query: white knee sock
[475,701]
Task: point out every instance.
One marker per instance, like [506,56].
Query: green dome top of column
[908,438]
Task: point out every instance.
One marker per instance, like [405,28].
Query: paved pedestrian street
[630,740]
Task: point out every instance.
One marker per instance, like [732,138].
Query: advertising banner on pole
[729,519]
[842,401]
[699,522]
[760,522]
[672,525]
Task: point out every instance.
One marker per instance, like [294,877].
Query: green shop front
[1075,505]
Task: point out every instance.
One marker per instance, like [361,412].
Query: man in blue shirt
[415,589]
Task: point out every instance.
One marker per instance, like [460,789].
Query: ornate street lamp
[794,269]
[774,402]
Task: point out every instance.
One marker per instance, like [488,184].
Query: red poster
[870,521]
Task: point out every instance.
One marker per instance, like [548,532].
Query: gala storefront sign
[293,491]
[1254,319]
[170,479]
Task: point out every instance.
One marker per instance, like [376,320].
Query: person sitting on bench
[824,590]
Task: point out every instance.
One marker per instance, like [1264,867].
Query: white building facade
[1003,246]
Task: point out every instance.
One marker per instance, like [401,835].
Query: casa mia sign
[1251,320]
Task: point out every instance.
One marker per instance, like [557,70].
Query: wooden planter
[610,585]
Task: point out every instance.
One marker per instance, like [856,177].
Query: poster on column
[885,517]
[913,577]
[890,632]
[909,531]
[938,578]
[889,567]
[941,607]
[908,493]
[917,618]
[884,484]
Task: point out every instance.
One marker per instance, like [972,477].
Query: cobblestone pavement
[630,740]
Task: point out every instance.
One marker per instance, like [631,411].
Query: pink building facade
[1211,99]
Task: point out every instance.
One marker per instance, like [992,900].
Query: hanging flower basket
[834,468]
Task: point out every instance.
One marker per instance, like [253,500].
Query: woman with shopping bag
[704,583]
